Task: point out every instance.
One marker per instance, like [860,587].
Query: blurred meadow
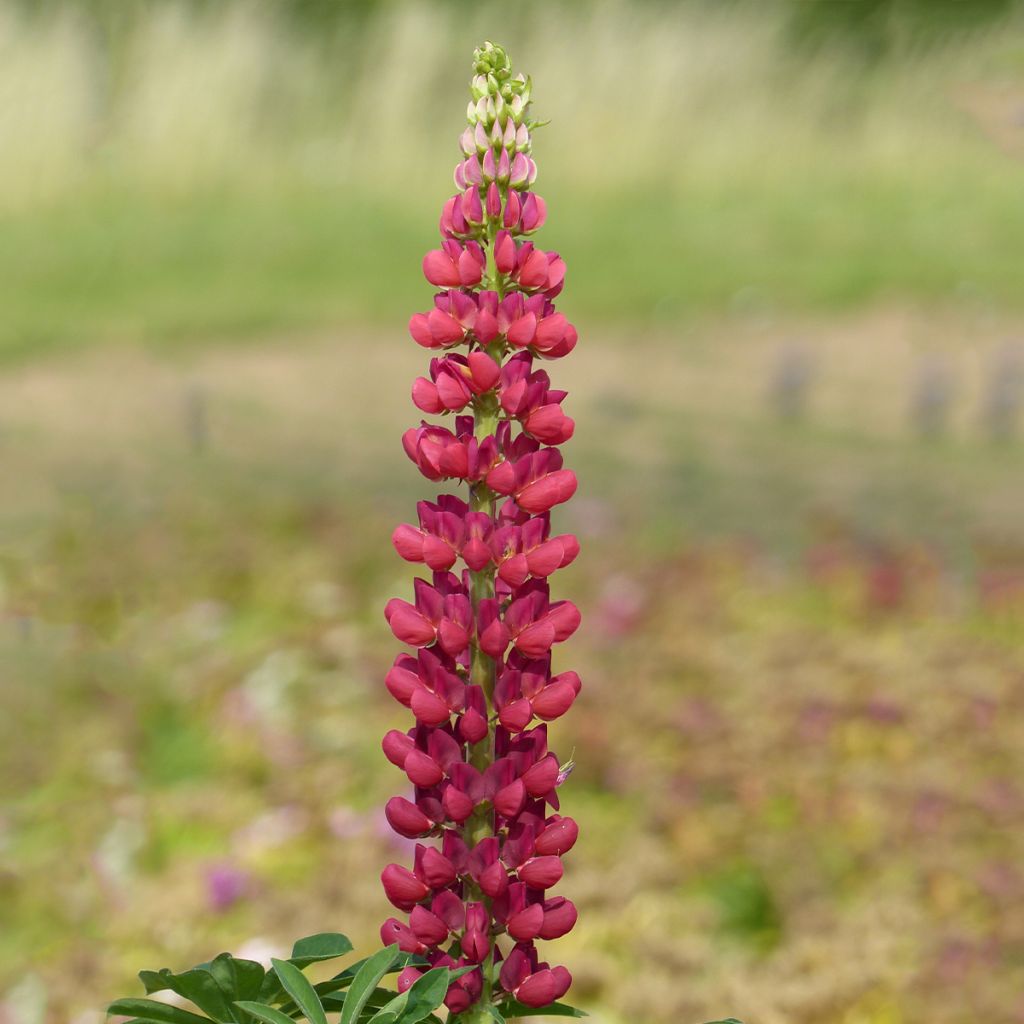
[795,237]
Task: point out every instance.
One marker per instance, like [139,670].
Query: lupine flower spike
[482,624]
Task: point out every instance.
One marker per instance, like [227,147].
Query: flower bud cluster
[482,624]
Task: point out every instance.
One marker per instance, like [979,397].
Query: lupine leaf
[298,986]
[514,1008]
[264,1013]
[237,979]
[323,946]
[378,997]
[199,986]
[150,1009]
[365,982]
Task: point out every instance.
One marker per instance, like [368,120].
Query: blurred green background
[795,237]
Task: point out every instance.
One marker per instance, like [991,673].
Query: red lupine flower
[483,779]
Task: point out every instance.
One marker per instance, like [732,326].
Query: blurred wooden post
[790,383]
[197,426]
[931,397]
[1004,392]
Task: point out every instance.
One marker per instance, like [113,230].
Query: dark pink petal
[406,818]
[538,779]
[526,925]
[547,492]
[440,269]
[422,769]
[559,918]
[392,931]
[553,701]
[541,872]
[402,887]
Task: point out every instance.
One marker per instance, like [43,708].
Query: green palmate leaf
[365,981]
[323,946]
[199,986]
[514,1008]
[298,986]
[150,1009]
[264,1013]
[377,998]
[237,979]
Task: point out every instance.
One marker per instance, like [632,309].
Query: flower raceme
[484,807]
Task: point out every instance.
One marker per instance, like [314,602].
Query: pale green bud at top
[490,59]
[478,87]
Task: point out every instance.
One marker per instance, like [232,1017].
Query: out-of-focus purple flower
[226,884]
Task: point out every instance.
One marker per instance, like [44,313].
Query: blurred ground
[799,395]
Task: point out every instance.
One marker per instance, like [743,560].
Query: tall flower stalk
[480,684]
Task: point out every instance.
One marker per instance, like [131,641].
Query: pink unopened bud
[541,872]
[493,200]
[476,946]
[406,818]
[509,800]
[539,780]
[392,931]
[558,837]
[559,918]
[427,926]
[504,252]
[526,925]
[402,887]
[544,987]
[422,769]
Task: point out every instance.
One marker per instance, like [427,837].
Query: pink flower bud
[534,212]
[513,210]
[520,171]
[397,746]
[559,918]
[429,708]
[509,800]
[547,492]
[406,978]
[544,987]
[435,868]
[493,200]
[457,805]
[473,726]
[475,946]
[427,926]
[422,769]
[406,818]
[488,167]
[493,880]
[392,931]
[539,780]
[440,269]
[541,872]
[553,701]
[526,925]
[504,252]
[408,624]
[402,887]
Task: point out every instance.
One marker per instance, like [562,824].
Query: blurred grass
[213,174]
